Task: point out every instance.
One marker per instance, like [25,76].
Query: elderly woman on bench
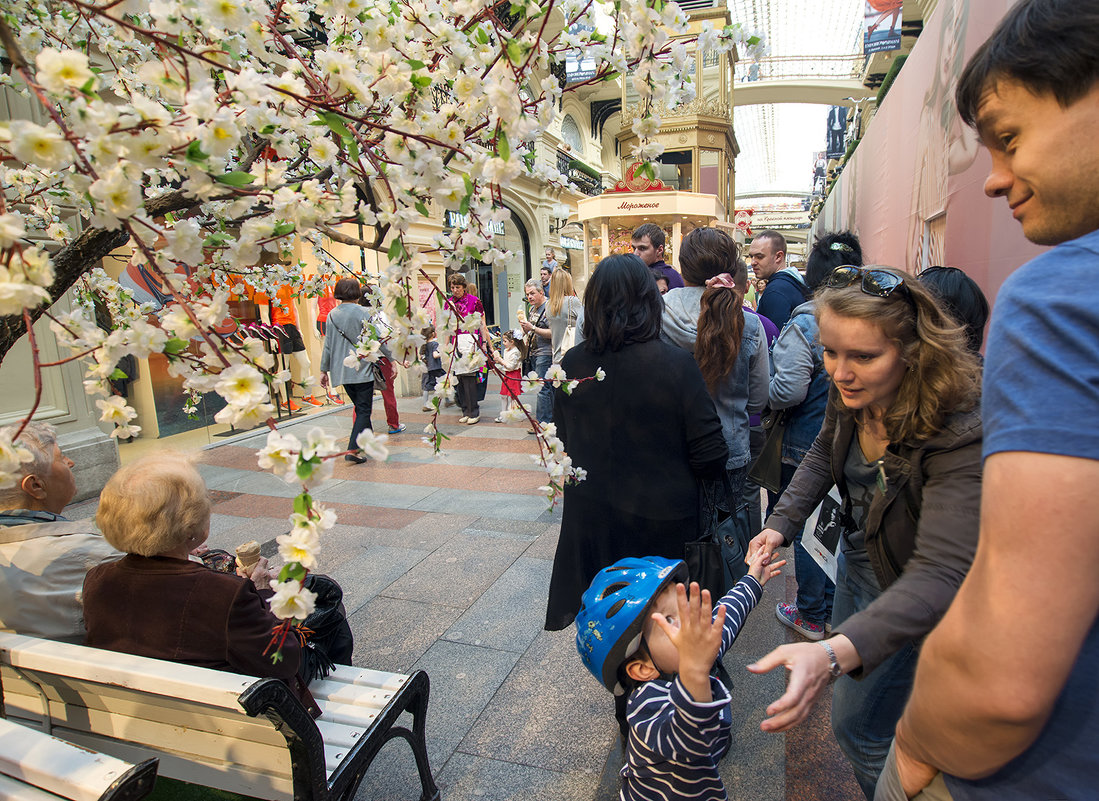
[156,602]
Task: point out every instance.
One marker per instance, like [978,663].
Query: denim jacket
[799,383]
[743,391]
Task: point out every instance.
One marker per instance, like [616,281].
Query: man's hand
[915,775]
[324,380]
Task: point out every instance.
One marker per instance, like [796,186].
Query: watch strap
[834,669]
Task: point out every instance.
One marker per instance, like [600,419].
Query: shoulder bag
[766,470]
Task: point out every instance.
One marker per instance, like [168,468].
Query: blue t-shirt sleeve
[1041,378]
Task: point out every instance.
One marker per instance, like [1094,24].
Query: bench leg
[416,694]
[418,740]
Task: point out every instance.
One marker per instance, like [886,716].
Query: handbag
[704,557]
[766,470]
[326,637]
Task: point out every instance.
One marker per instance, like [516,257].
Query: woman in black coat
[645,434]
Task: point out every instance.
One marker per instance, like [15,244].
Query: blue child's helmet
[612,612]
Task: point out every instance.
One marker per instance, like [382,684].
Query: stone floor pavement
[445,562]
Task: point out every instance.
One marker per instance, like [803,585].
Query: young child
[639,633]
[512,357]
[434,364]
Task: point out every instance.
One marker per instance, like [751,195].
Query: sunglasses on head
[879,283]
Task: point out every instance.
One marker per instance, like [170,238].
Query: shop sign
[569,243]
[629,206]
[461,222]
[633,182]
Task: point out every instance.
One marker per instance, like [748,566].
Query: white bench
[213,728]
[37,767]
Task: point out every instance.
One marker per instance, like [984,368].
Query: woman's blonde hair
[560,287]
[154,505]
[943,375]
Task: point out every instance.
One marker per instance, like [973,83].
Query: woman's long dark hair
[704,253]
[621,305]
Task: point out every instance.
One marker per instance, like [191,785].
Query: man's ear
[33,486]
[641,670]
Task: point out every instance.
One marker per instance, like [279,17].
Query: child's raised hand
[697,638]
[762,568]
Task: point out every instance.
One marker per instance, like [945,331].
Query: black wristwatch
[834,669]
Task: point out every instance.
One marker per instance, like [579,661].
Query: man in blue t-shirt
[1005,701]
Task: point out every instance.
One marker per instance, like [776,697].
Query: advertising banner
[883,26]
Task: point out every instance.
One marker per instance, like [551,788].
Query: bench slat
[22,695]
[55,765]
[202,746]
[15,790]
[233,778]
[153,676]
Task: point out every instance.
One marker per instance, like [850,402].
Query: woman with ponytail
[706,317]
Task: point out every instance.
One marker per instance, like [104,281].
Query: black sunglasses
[879,283]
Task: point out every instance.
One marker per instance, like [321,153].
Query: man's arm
[991,671]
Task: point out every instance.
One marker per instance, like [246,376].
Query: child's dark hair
[520,342]
[427,332]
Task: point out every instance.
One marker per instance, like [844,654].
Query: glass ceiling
[805,39]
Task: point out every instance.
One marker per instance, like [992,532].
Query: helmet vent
[612,589]
[615,607]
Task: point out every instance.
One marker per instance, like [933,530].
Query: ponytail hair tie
[721,281]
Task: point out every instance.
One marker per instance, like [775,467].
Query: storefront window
[709,172]
[674,169]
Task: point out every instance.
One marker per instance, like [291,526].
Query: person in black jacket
[786,288]
[651,419]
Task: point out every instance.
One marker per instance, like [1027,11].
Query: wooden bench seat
[210,727]
[37,767]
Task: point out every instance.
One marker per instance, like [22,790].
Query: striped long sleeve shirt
[675,742]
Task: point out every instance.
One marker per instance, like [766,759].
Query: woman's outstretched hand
[768,540]
[809,674]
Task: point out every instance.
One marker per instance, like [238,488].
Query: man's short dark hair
[1047,46]
[777,240]
[651,230]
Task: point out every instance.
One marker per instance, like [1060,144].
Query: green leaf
[235,178]
[301,506]
[216,240]
[421,81]
[753,41]
[597,37]
[292,572]
[335,123]
[516,51]
[282,229]
[266,130]
[503,148]
[463,207]
[482,36]
[118,375]
[401,305]
[195,154]
[396,250]
[420,207]
[175,346]
[352,148]
[416,65]
[306,466]
[87,87]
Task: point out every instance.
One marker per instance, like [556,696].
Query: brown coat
[921,535]
[181,611]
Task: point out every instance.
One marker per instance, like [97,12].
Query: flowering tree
[216,136]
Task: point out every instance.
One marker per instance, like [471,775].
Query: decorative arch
[570,134]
